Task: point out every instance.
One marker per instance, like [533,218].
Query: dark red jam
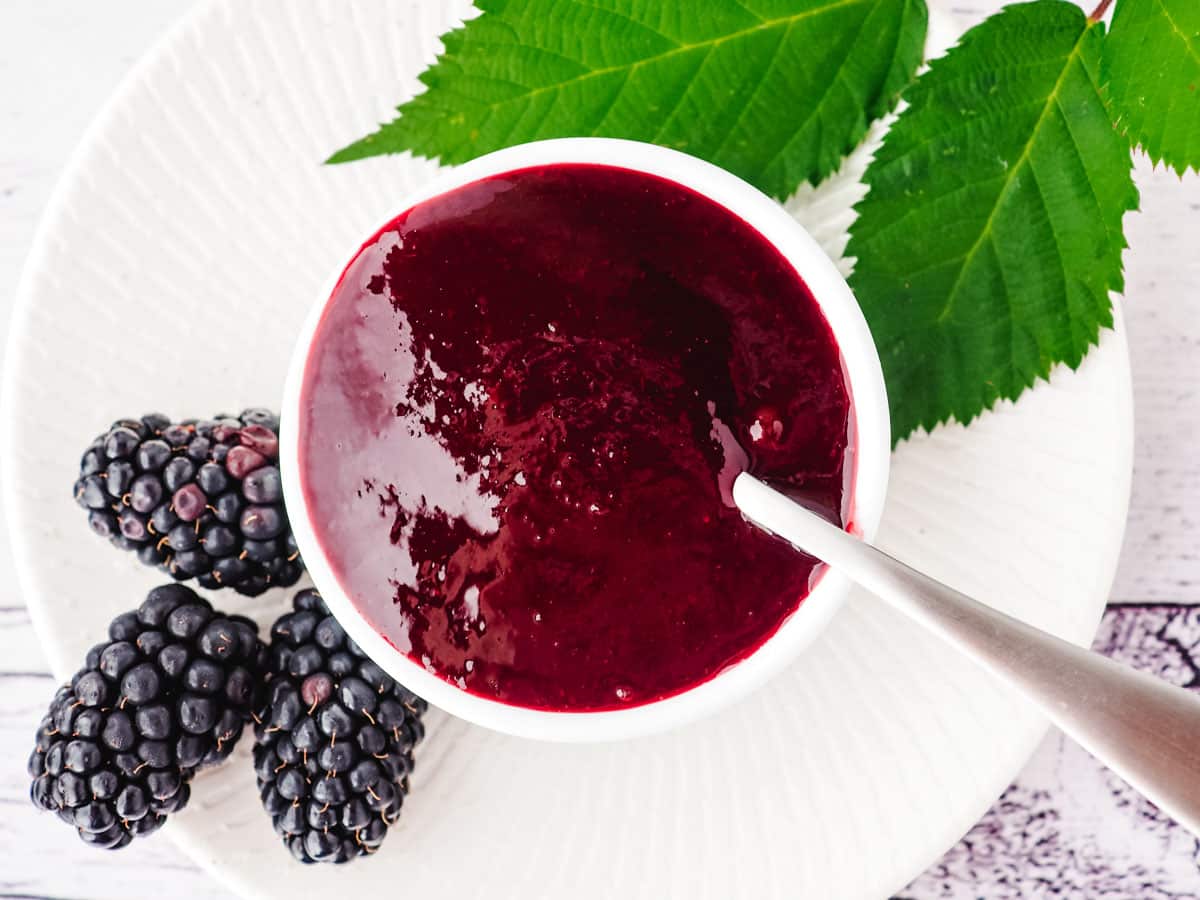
[522,414]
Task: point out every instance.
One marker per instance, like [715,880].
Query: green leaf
[777,91]
[991,234]
[1151,60]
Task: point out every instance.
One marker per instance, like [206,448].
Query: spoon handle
[1144,729]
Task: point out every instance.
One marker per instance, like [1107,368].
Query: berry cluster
[199,499]
[168,693]
[334,741]
[172,688]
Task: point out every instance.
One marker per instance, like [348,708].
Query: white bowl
[867,463]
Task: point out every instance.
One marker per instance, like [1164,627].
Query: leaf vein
[1022,159]
[628,18]
[682,96]
[766,24]
[1179,31]
[839,75]
[1010,319]
[1059,257]
[772,60]
[616,98]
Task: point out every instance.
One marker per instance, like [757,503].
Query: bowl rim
[869,449]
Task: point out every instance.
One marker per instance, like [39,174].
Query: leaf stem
[1100,10]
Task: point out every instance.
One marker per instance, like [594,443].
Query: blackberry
[167,694]
[199,499]
[334,739]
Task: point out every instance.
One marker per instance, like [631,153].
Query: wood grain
[1161,557]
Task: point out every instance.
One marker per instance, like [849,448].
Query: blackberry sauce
[522,414]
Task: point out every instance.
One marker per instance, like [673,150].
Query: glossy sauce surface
[521,417]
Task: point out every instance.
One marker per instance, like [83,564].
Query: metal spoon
[1145,730]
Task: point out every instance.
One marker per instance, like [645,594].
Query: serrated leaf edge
[1179,167]
[1073,58]
[349,154]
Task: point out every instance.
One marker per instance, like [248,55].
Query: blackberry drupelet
[168,693]
[334,740]
[199,499]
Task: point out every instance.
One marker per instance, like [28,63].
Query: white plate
[172,271]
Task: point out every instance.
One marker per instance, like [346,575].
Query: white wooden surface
[59,60]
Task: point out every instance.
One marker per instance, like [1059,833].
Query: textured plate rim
[17,348]
[20,324]
[1090,624]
